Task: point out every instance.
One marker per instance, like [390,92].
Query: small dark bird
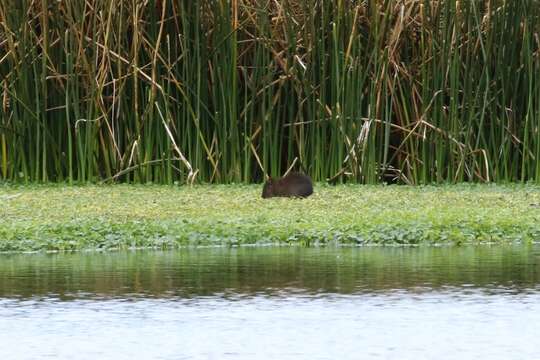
[294,184]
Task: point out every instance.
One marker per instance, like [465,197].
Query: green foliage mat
[59,217]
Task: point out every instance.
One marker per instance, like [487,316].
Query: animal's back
[294,184]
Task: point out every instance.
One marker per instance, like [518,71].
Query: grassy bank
[57,217]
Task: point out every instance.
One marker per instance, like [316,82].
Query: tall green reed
[413,91]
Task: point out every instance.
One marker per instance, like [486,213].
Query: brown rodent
[294,184]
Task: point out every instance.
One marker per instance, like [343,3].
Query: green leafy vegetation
[413,91]
[60,217]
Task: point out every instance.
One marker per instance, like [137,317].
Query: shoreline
[58,217]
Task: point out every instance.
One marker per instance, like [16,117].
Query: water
[273,303]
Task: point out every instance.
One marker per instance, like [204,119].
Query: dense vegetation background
[413,91]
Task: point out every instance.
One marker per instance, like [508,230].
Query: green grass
[59,217]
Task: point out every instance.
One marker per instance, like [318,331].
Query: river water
[273,303]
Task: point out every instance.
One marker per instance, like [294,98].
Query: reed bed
[165,91]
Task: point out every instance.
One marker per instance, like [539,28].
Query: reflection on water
[268,271]
[273,303]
